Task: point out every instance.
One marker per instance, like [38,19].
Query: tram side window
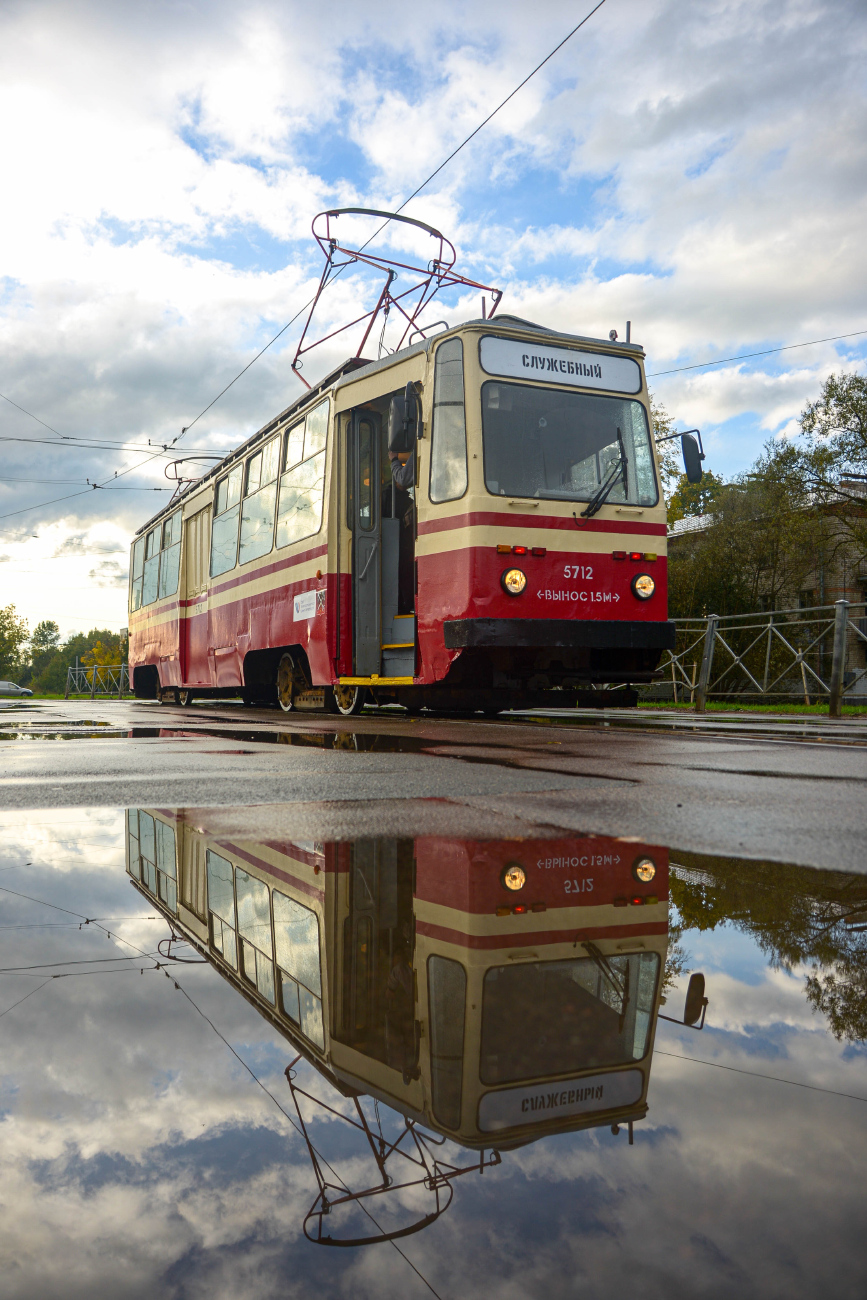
[260,499]
[296,939]
[167,870]
[132,837]
[170,555]
[151,567]
[447,996]
[448,463]
[254,931]
[221,908]
[302,484]
[224,533]
[156,563]
[136,575]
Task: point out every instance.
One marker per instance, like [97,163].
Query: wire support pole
[838,661]
[706,664]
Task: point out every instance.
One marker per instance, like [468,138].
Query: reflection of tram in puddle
[492,992]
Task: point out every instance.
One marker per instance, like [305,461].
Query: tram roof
[357,368]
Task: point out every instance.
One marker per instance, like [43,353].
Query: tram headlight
[643,586]
[513,581]
[644,869]
[513,876]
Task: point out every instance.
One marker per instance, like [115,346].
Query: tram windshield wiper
[620,466]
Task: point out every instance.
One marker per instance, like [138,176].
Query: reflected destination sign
[546,1101]
[521,360]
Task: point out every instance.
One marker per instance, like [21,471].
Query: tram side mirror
[403,416]
[692,458]
[696,1002]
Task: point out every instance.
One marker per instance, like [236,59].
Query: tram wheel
[349,700]
[286,684]
[185,698]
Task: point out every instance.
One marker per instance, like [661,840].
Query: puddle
[227,1048]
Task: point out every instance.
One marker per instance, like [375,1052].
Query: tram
[494,992]
[516,557]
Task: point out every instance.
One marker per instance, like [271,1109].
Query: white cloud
[699,171]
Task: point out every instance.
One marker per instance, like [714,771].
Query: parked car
[9,688]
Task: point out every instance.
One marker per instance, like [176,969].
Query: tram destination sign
[559,1100]
[519,360]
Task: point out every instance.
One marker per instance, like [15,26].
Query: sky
[699,170]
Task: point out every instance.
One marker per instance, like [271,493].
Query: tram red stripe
[475,518]
[526,940]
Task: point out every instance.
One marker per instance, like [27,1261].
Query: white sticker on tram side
[543,1101]
[520,360]
[305,606]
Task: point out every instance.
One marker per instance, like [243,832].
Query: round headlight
[514,581]
[643,586]
[514,876]
[644,869]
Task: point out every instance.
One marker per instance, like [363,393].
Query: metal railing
[781,655]
[104,679]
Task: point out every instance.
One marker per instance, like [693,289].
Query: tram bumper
[542,633]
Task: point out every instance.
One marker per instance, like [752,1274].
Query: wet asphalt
[779,789]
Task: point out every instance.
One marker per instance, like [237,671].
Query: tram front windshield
[548,1018]
[542,442]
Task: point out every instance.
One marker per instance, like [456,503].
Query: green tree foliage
[99,646]
[44,644]
[14,636]
[835,448]
[668,453]
[763,542]
[798,917]
[689,500]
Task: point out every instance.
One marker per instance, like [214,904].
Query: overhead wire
[292,1122]
[746,356]
[414,194]
[756,1074]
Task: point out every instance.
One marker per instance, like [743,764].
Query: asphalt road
[788,790]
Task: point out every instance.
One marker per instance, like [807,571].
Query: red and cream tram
[494,991]
[524,562]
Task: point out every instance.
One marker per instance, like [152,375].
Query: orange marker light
[504,550]
[650,555]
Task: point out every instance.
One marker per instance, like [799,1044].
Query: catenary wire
[755,1074]
[186,428]
[286,1114]
[414,194]
[745,356]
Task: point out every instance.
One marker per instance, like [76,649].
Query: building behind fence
[104,679]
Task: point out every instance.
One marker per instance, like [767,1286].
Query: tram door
[195,670]
[363,477]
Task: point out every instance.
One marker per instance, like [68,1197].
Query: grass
[725,706]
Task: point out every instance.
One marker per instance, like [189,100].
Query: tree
[667,452]
[761,545]
[689,500]
[97,646]
[834,457]
[14,636]
[797,916]
[44,644]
